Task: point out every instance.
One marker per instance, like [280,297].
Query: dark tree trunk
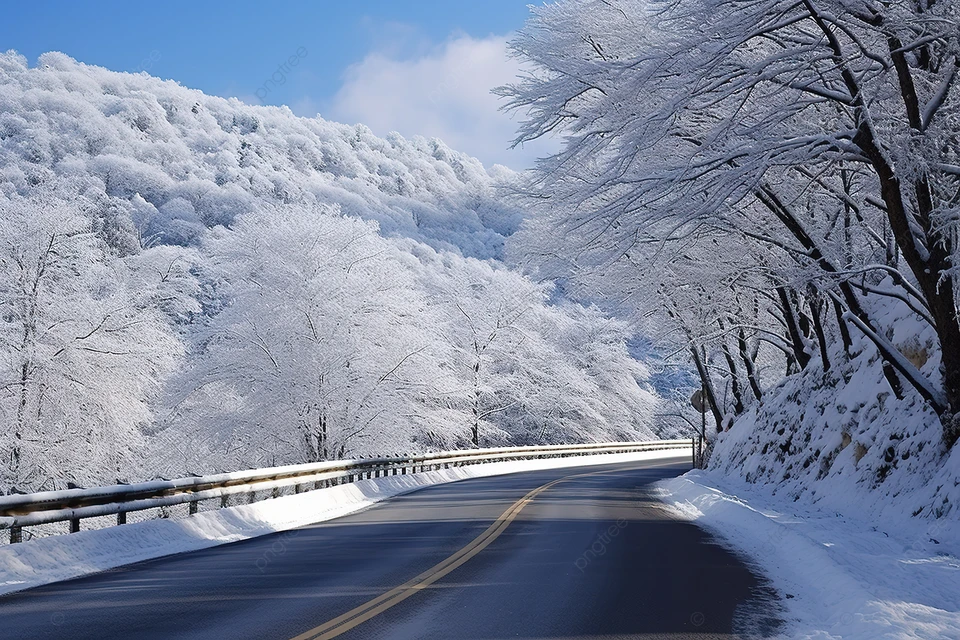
[749,365]
[738,405]
[707,386]
[844,329]
[816,308]
[793,329]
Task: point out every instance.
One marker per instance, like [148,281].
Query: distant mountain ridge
[197,161]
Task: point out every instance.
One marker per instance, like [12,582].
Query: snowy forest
[190,284]
[773,188]
[756,203]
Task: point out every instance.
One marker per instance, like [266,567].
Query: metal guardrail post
[75,525]
[121,518]
[16,535]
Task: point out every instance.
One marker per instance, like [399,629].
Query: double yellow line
[378,605]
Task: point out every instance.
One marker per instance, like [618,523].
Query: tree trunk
[475,427]
[749,365]
[844,329]
[738,405]
[323,440]
[793,329]
[707,386]
[816,308]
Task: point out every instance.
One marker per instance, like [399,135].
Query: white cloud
[442,92]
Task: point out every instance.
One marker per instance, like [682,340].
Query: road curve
[567,553]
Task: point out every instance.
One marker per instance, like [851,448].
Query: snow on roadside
[838,577]
[57,558]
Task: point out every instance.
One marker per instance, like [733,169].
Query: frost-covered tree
[332,293]
[818,137]
[83,350]
[320,341]
[326,340]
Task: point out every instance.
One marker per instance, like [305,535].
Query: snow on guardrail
[72,505]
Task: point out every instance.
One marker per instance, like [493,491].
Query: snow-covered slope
[845,496]
[194,284]
[842,441]
[198,160]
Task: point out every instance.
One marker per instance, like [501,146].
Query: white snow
[838,577]
[236,287]
[52,559]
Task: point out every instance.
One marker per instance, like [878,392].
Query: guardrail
[73,505]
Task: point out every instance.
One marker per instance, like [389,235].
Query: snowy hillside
[190,284]
[841,440]
[197,160]
[844,496]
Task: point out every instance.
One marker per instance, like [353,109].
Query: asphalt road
[592,555]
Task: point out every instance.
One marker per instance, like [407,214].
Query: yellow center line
[359,615]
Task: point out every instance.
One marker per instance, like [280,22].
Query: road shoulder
[837,577]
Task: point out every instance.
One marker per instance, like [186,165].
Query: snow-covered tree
[84,350]
[321,341]
[331,293]
[816,138]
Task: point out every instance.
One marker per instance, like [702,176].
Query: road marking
[359,615]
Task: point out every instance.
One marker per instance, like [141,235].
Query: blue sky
[394,65]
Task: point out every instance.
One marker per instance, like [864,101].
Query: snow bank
[838,577]
[53,559]
[842,442]
[844,495]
